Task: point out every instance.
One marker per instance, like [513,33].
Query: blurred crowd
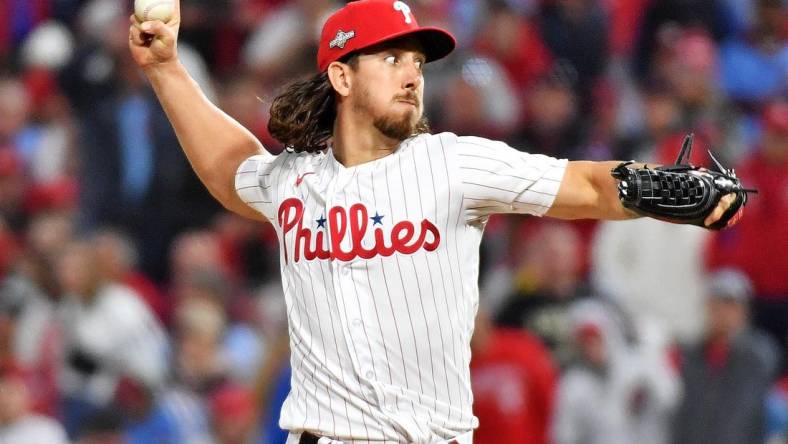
[134,310]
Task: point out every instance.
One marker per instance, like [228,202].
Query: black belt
[308,438]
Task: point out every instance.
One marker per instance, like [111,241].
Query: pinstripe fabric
[380,267]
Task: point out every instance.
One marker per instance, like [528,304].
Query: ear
[341,77]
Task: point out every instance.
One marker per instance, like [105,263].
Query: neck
[357,141]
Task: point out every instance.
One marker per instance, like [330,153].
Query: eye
[391,60]
[420,64]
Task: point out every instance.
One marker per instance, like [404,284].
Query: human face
[77,271]
[388,87]
[725,317]
[14,399]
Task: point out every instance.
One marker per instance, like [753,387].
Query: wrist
[161,70]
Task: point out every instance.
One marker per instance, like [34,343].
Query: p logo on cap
[366,23]
[402,6]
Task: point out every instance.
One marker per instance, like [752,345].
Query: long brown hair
[303,115]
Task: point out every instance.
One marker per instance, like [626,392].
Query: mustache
[407,97]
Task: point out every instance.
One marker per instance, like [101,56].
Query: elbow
[219,173]
[231,202]
[219,185]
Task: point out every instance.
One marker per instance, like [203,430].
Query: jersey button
[357,322]
[370,374]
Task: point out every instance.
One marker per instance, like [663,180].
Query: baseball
[147,10]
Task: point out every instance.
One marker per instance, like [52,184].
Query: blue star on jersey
[377,219]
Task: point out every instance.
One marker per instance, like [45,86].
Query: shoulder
[290,160]
[450,140]
[455,145]
[266,162]
[579,384]
[761,349]
[431,141]
[122,302]
[263,160]
[119,294]
[259,172]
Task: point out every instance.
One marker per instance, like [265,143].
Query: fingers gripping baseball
[154,42]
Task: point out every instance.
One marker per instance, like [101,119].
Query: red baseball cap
[365,23]
[588,330]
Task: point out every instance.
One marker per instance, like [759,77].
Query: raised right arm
[214,143]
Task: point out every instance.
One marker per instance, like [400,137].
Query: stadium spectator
[676,304]
[753,64]
[117,261]
[546,281]
[108,331]
[726,375]
[30,340]
[577,33]
[18,424]
[514,380]
[751,246]
[233,415]
[618,391]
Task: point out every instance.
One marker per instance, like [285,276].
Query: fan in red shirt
[757,244]
[513,379]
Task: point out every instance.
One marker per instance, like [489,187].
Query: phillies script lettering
[351,222]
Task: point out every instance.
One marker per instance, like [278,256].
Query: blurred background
[134,310]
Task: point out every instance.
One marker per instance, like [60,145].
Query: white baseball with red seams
[147,10]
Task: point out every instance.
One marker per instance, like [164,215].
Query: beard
[398,127]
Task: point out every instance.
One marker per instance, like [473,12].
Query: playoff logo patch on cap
[341,39]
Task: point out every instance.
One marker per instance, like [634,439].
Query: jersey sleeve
[253,183]
[496,178]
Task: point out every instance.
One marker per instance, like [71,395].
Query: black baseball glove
[680,193]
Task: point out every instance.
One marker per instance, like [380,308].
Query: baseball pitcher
[379,221]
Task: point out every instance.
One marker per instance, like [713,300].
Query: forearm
[588,191]
[608,205]
[214,143]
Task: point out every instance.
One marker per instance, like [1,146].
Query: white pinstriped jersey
[380,267]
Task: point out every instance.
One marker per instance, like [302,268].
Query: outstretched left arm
[588,191]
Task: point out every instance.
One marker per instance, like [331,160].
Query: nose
[413,76]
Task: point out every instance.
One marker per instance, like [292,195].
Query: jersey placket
[338,195]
